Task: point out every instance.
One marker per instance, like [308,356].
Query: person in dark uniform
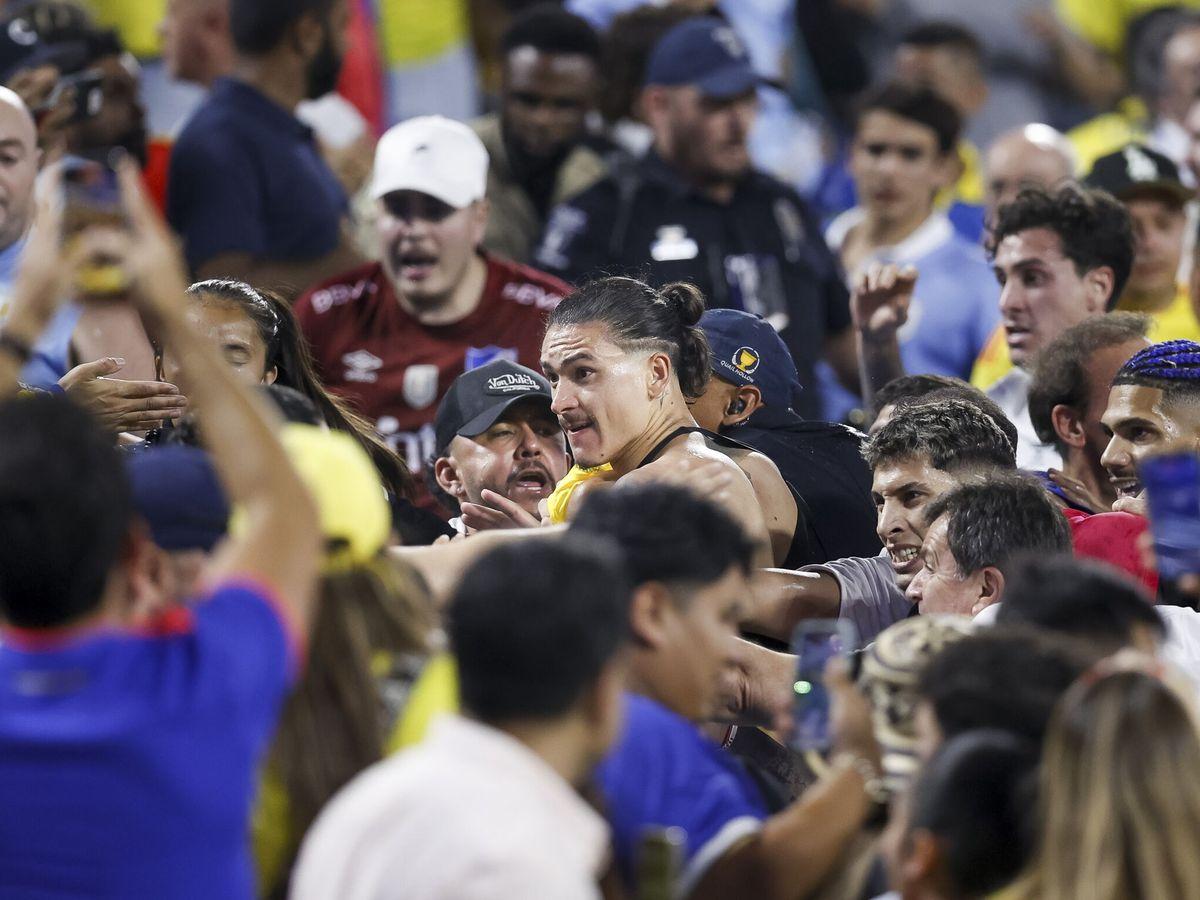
[694,210]
[751,398]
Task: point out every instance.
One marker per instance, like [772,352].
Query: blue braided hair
[1172,366]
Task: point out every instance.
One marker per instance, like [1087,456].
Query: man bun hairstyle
[644,319]
[688,304]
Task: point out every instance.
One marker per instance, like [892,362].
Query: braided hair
[1172,367]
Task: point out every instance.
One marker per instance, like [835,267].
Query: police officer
[750,398]
[693,209]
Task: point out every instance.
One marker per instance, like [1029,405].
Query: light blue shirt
[955,306]
[52,351]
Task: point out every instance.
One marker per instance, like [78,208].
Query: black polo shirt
[823,463]
[762,252]
[246,176]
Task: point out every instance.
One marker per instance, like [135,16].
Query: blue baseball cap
[705,52]
[747,350]
[176,492]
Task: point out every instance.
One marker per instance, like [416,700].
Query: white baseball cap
[433,155]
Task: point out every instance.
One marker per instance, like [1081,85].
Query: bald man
[19,159]
[1032,155]
[120,405]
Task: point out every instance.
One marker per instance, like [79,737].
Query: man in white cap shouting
[392,336]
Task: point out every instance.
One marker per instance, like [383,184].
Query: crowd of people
[423,461]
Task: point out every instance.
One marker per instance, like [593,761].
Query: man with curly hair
[1061,256]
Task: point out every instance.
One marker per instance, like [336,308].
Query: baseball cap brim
[492,414]
[729,81]
[381,187]
[1174,189]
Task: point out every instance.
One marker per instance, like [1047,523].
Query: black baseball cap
[52,32]
[478,398]
[1136,169]
[706,52]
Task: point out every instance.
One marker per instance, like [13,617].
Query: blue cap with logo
[747,350]
[705,52]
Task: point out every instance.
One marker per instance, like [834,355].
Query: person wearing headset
[750,398]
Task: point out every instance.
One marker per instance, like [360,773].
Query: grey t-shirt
[871,598]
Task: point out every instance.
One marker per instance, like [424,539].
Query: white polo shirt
[470,813]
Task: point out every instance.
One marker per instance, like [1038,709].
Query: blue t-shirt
[665,772]
[955,306]
[246,177]
[128,758]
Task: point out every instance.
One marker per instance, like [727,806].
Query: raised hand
[122,405]
[881,297]
[43,282]
[1077,492]
[157,269]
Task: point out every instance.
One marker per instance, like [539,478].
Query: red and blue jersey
[128,758]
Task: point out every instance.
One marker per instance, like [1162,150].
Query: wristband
[16,347]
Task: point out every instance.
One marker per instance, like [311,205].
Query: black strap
[662,445]
[710,436]
[804,517]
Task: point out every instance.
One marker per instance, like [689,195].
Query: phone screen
[815,643]
[1172,483]
[89,96]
